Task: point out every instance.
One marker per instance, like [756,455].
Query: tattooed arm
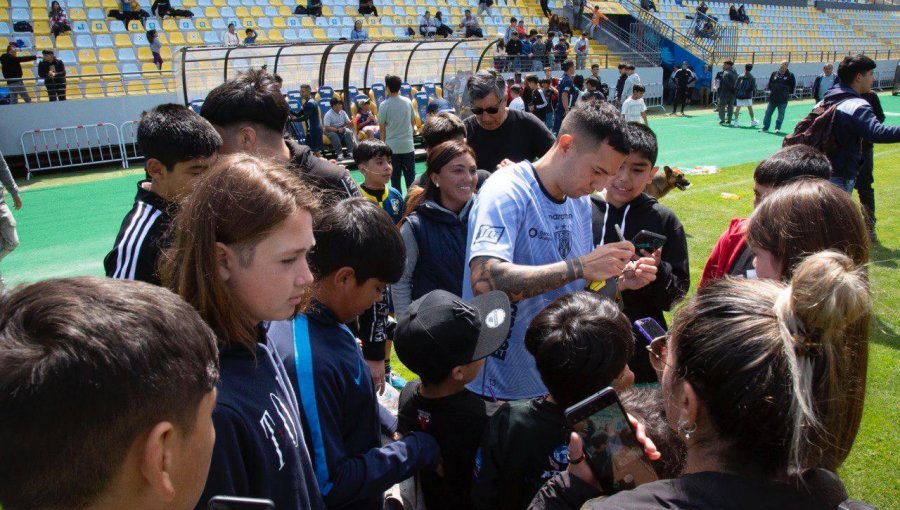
[522,282]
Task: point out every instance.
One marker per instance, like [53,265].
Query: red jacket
[725,252]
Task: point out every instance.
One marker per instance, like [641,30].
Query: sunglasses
[659,348]
[491,109]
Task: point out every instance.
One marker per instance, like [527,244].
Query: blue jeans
[767,119]
[548,120]
[844,184]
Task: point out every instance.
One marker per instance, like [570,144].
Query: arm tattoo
[522,282]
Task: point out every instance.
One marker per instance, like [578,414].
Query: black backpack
[22,26]
[816,130]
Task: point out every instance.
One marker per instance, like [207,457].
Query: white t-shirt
[633,108]
[335,119]
[517,104]
[229,39]
[513,219]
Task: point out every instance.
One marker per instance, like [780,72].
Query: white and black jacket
[141,238]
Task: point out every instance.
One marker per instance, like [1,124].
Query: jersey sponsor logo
[489,234]
[563,242]
[424,419]
[540,234]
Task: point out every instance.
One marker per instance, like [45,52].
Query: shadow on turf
[884,334]
[883,256]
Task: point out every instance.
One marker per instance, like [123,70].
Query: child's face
[274,282]
[766,264]
[760,192]
[338,107]
[172,186]
[192,454]
[637,95]
[361,297]
[629,183]
[305,93]
[364,108]
[377,172]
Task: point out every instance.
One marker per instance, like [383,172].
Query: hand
[580,470]
[377,369]
[17,202]
[657,256]
[607,261]
[641,435]
[638,274]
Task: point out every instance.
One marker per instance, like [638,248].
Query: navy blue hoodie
[854,121]
[260,451]
[342,418]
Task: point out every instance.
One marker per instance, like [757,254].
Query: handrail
[702,46]
[640,47]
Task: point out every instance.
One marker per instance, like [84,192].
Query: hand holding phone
[648,241]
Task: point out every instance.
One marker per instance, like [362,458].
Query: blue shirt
[568,86]
[311,111]
[514,219]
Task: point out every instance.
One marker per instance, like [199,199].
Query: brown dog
[665,181]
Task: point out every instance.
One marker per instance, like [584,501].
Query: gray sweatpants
[9,238]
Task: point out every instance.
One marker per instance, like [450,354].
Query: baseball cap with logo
[440,331]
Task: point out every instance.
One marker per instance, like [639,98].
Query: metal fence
[72,146]
[130,149]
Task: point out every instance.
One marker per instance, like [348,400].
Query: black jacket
[12,66]
[330,182]
[57,65]
[698,491]
[141,239]
[781,86]
[673,275]
[441,240]
[727,82]
[620,85]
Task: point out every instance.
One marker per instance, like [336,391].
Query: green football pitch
[69,222]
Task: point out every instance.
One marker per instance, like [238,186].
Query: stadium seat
[103,41]
[77,15]
[194,39]
[117,27]
[126,55]
[130,71]
[185,24]
[319,35]
[84,41]
[107,56]
[151,24]
[136,88]
[96,14]
[248,23]
[169,25]
[218,24]
[122,41]
[275,36]
[42,41]
[41,27]
[202,24]
[81,27]
[291,35]
[212,38]
[177,39]
[264,23]
[285,11]
[87,56]
[99,27]
[211,12]
[139,39]
[144,54]
[68,57]
[64,42]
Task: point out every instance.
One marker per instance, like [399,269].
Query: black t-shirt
[521,136]
[743,263]
[457,423]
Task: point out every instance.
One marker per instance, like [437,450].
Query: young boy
[131,412]
[542,106]
[358,253]
[365,120]
[628,207]
[731,256]
[581,344]
[373,158]
[338,129]
[516,102]
[178,146]
[445,340]
[634,108]
[593,91]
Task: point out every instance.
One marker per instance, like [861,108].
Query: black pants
[545,8]
[680,97]
[444,31]
[368,9]
[404,167]
[56,91]
[864,182]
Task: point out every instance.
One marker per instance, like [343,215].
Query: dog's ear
[668,171]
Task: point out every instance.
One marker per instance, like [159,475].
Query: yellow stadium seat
[163,38]
[64,42]
[279,23]
[114,89]
[275,36]
[248,23]
[112,4]
[169,25]
[92,4]
[202,24]
[220,3]
[187,4]
[41,27]
[319,34]
[149,70]
[194,39]
[156,86]
[285,11]
[307,22]
[99,27]
[4,14]
[87,56]
[211,12]
[387,10]
[166,54]
[257,12]
[262,37]
[27,73]
[241,12]
[136,88]
[43,42]
[144,54]
[135,26]
[110,69]
[177,39]
[107,56]
[92,89]
[122,41]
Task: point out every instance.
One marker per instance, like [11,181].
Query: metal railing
[71,146]
[94,86]
[774,57]
[703,47]
[128,136]
[644,50]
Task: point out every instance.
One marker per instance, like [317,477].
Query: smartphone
[611,448]
[234,503]
[649,241]
[649,329]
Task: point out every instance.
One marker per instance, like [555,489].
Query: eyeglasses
[491,109]
[659,349]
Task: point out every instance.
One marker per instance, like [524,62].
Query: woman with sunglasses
[497,133]
[752,380]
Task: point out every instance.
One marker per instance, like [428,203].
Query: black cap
[440,331]
[47,52]
[729,62]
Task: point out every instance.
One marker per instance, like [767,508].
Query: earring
[437,185]
[683,428]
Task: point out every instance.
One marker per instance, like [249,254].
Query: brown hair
[807,216]
[777,366]
[438,158]
[88,365]
[238,202]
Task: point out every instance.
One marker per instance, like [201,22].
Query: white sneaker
[754,123]
[777,131]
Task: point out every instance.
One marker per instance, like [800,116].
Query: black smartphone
[234,503]
[649,241]
[649,329]
[611,448]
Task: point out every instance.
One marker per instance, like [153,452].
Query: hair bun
[828,292]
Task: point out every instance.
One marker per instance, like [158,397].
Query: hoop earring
[683,428]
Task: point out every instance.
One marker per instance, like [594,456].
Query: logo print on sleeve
[489,234]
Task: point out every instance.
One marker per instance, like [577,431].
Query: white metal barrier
[130,149]
[89,144]
[653,96]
